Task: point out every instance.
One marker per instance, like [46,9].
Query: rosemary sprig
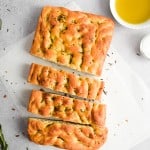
[3,144]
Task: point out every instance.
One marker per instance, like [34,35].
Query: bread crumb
[13,109]
[5,96]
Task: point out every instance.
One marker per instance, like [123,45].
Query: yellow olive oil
[133,11]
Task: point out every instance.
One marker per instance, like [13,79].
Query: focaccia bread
[66,135]
[66,82]
[66,108]
[71,38]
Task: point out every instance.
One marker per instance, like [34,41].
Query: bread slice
[66,135]
[66,82]
[71,38]
[66,109]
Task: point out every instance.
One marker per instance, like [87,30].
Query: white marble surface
[19,19]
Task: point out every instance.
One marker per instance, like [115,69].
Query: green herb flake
[61,18]
[105,92]
[0,23]
[3,144]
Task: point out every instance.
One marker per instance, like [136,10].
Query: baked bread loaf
[66,109]
[66,82]
[66,135]
[71,38]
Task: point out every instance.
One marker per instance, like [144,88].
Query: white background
[19,19]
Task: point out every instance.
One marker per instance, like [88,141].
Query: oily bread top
[62,81]
[67,109]
[75,39]
[66,135]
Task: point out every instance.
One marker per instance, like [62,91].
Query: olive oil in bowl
[133,11]
[134,14]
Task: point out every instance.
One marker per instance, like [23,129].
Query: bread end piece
[84,51]
[66,135]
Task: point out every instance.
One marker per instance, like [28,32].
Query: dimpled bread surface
[74,117]
[66,82]
[74,39]
[66,135]
[66,108]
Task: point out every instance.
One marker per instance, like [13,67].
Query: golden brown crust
[63,81]
[74,39]
[66,109]
[66,135]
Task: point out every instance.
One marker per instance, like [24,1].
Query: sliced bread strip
[62,81]
[66,135]
[66,108]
